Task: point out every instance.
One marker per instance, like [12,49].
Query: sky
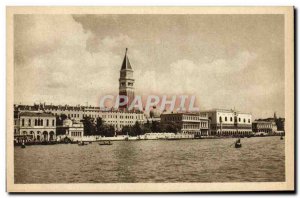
[226,61]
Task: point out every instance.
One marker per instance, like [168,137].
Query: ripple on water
[260,159]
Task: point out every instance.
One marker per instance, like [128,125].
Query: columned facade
[230,123]
[37,126]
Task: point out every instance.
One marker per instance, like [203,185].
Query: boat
[238,144]
[82,144]
[281,137]
[103,143]
[173,138]
[23,145]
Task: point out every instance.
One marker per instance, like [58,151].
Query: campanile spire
[126,82]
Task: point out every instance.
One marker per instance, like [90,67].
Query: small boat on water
[82,143]
[103,143]
[23,145]
[173,138]
[281,137]
[238,144]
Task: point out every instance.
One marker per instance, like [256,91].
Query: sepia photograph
[150,99]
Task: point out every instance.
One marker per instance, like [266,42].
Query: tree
[89,126]
[170,127]
[108,130]
[145,129]
[155,127]
[147,124]
[136,129]
[60,119]
[127,130]
[99,126]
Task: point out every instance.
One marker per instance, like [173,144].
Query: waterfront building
[229,122]
[73,112]
[126,82]
[116,118]
[259,126]
[279,122]
[119,119]
[189,123]
[72,129]
[38,126]
[204,124]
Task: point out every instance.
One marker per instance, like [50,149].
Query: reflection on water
[259,160]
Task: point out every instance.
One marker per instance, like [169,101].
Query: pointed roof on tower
[126,64]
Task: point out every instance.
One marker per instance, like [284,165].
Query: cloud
[187,76]
[76,59]
[64,66]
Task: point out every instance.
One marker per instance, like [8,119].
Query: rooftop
[126,64]
[36,114]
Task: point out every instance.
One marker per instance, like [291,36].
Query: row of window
[234,132]
[244,120]
[130,122]
[37,122]
[264,125]
[178,118]
[191,118]
[123,117]
[190,126]
[203,124]
[76,133]
[104,116]
[129,84]
[264,130]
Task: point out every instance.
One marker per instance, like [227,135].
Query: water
[259,160]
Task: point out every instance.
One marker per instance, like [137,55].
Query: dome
[67,122]
[155,113]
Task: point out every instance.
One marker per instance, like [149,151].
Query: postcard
[150,99]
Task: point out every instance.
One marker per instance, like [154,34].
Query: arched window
[220,119]
[53,122]
[225,118]
[23,122]
[42,122]
[29,122]
[47,122]
[244,120]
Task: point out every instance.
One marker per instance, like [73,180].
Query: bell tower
[126,82]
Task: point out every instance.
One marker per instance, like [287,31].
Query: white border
[5,3]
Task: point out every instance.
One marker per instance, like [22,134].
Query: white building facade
[38,126]
[72,129]
[190,123]
[229,123]
[269,127]
[119,119]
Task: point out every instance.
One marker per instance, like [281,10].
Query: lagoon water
[261,159]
